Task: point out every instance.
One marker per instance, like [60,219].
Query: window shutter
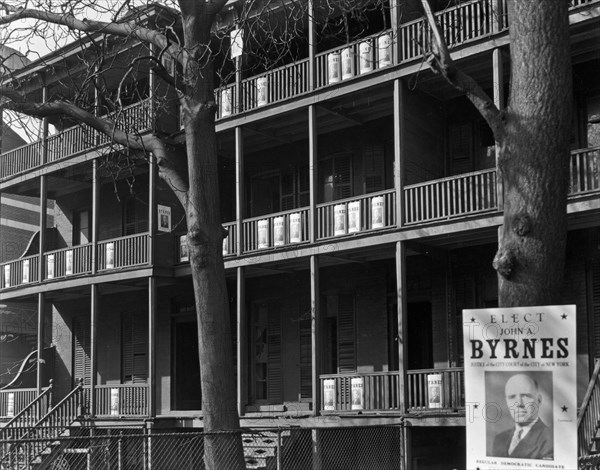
[134,346]
[81,351]
[343,176]
[461,140]
[305,348]
[346,334]
[303,186]
[373,163]
[135,217]
[287,191]
[464,297]
[596,305]
[274,373]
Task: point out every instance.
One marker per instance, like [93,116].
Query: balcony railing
[69,261]
[353,215]
[455,196]
[443,199]
[122,252]
[21,271]
[20,159]
[230,243]
[452,389]
[73,140]
[374,391]
[12,402]
[121,400]
[117,253]
[276,230]
[584,171]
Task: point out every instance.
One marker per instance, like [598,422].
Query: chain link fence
[293,448]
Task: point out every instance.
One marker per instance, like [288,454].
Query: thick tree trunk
[223,444]
[534,155]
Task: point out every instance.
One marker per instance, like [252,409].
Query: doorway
[187,394]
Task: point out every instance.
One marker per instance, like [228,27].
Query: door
[419,341]
[186,366]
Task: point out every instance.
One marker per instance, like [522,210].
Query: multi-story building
[395,238]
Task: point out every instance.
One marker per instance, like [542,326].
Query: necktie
[515,441]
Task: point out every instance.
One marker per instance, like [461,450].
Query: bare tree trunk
[534,155]
[205,241]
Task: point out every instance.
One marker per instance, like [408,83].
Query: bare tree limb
[440,62]
[170,170]
[91,26]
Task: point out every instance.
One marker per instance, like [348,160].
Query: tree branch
[170,170]
[90,26]
[440,62]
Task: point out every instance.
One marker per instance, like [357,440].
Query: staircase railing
[20,424]
[36,438]
[587,419]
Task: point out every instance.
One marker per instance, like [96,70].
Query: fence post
[279,449]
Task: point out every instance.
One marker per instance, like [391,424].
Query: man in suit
[530,438]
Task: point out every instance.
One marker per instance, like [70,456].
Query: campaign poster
[520,387]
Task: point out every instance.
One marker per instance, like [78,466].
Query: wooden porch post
[239,188]
[315,318]
[152,210]
[95,205]
[40,341]
[43,193]
[399,104]
[498,84]
[241,341]
[151,346]
[312,46]
[395,20]
[313,171]
[402,320]
[93,347]
[43,222]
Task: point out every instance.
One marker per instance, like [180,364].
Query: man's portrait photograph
[519,415]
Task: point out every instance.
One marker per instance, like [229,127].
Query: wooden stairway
[263,448]
[30,444]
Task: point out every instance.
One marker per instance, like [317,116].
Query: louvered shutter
[342,168]
[373,163]
[274,373]
[461,143]
[304,326]
[346,334]
[303,187]
[287,191]
[595,285]
[134,346]
[135,217]
[464,297]
[81,350]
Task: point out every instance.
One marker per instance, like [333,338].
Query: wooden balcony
[380,391]
[72,141]
[276,230]
[450,198]
[461,24]
[120,400]
[452,389]
[374,391]
[13,401]
[117,253]
[358,214]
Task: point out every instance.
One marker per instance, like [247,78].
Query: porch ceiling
[332,115]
